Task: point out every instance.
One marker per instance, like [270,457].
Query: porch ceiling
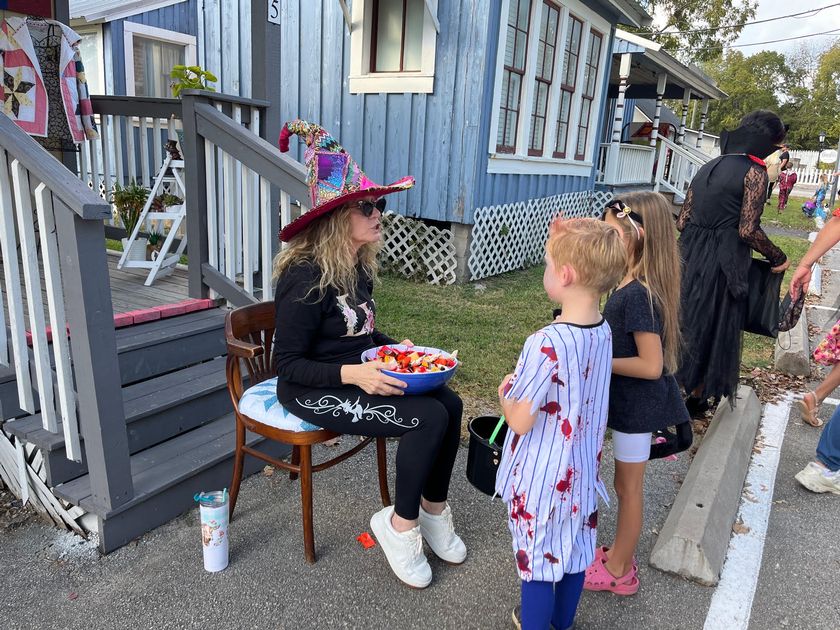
[649,61]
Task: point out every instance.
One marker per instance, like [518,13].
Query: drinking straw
[496,430]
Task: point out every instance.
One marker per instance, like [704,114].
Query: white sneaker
[404,550]
[818,478]
[439,531]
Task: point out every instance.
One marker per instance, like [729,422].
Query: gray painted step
[166,477]
[147,350]
[156,410]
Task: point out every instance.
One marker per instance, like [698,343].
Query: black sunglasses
[367,207]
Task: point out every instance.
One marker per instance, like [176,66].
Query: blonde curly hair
[327,243]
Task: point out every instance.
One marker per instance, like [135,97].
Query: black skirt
[713,309]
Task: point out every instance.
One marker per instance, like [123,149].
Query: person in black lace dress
[720,225]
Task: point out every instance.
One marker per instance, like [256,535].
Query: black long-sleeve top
[314,335]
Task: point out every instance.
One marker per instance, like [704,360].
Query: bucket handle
[496,430]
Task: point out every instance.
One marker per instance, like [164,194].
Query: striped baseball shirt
[549,477]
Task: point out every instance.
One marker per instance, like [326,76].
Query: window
[150,55]
[392,46]
[93,58]
[545,70]
[397,36]
[568,73]
[548,90]
[514,71]
[590,81]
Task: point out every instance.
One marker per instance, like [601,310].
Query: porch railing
[675,168]
[240,191]
[51,221]
[633,165]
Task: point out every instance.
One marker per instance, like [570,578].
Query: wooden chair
[249,332]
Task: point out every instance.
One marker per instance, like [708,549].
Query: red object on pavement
[366,540]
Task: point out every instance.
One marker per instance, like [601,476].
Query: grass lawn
[487,322]
[791,217]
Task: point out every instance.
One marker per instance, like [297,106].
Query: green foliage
[812,102]
[693,15]
[129,202]
[754,82]
[155,238]
[166,200]
[191,78]
[803,88]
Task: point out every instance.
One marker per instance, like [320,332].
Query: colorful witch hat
[334,178]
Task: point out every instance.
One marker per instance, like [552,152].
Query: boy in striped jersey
[555,404]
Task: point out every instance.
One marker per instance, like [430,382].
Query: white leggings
[631,448]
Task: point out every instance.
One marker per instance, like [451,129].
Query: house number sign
[274,11]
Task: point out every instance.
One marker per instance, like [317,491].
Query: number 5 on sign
[274,11]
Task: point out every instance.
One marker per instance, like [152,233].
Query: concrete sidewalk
[50,581]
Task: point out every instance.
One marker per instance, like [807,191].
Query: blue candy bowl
[416,383]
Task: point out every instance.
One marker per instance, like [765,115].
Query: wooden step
[145,351]
[166,477]
[155,410]
[154,348]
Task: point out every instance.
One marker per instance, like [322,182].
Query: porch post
[661,81]
[703,116]
[684,116]
[611,171]
[265,46]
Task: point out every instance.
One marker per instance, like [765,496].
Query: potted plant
[188,78]
[128,203]
[155,243]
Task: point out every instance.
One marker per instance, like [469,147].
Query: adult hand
[368,377]
[800,281]
[781,268]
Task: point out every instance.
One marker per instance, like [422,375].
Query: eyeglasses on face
[367,207]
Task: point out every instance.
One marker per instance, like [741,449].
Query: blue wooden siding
[494,189]
[181,18]
[434,137]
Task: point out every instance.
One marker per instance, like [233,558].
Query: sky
[824,20]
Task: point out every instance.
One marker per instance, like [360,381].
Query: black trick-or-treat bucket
[483,457]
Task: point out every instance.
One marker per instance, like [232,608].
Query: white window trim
[362,81]
[95,31]
[160,34]
[520,162]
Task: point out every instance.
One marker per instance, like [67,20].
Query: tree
[811,103]
[694,15]
[759,81]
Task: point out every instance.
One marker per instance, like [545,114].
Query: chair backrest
[249,333]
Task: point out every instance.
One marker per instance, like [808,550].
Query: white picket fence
[811,176]
[512,236]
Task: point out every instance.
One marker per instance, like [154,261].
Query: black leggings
[429,428]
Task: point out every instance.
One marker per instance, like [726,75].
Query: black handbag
[763,299]
[790,311]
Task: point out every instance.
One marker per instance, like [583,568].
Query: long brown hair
[327,243]
[653,259]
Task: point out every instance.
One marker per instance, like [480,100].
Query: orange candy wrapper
[366,540]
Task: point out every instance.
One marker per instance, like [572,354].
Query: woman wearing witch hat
[325,319]
[720,225]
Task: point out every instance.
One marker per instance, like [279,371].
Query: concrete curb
[794,357]
[695,537]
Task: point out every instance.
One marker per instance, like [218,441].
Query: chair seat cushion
[260,403]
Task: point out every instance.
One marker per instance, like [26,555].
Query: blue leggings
[544,602]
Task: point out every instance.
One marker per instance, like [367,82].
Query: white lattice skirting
[512,236]
[416,250]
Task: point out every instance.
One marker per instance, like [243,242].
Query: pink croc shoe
[598,578]
[601,556]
